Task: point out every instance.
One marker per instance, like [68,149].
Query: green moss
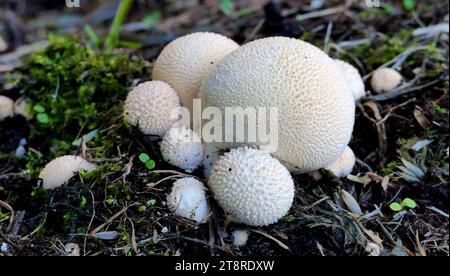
[383,49]
[77,88]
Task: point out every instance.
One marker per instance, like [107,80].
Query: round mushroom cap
[385,79]
[186,62]
[183,148]
[343,165]
[252,186]
[6,107]
[354,79]
[60,170]
[240,237]
[315,108]
[149,106]
[188,199]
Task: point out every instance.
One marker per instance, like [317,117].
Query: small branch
[111,219]
[402,90]
[321,13]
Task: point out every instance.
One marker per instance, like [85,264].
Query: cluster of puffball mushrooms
[316,98]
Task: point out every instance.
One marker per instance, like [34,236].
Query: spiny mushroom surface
[186,62]
[315,108]
[343,165]
[60,170]
[385,79]
[188,199]
[149,106]
[6,107]
[182,147]
[354,79]
[252,186]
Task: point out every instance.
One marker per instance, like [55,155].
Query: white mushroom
[6,107]
[62,169]
[315,108]
[149,106]
[188,199]
[343,165]
[251,186]
[354,79]
[385,79]
[240,237]
[186,62]
[182,148]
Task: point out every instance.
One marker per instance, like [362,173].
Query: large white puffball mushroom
[252,186]
[343,165]
[316,110]
[183,148]
[6,107]
[60,170]
[188,199]
[149,106]
[354,79]
[186,62]
[385,79]
[240,237]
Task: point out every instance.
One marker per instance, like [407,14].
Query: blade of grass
[113,37]
[91,35]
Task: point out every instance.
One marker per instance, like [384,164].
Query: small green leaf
[389,8]
[127,125]
[144,157]
[142,208]
[396,207]
[226,6]
[43,118]
[39,108]
[409,203]
[151,202]
[152,18]
[83,202]
[409,5]
[150,164]
[289,218]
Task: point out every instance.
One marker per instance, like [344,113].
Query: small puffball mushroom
[240,237]
[186,62]
[354,79]
[6,107]
[252,186]
[182,147]
[149,106]
[60,170]
[342,166]
[188,199]
[385,79]
[316,111]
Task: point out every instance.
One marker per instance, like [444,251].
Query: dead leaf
[385,183]
[421,119]
[350,202]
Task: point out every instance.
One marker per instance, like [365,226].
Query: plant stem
[113,37]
